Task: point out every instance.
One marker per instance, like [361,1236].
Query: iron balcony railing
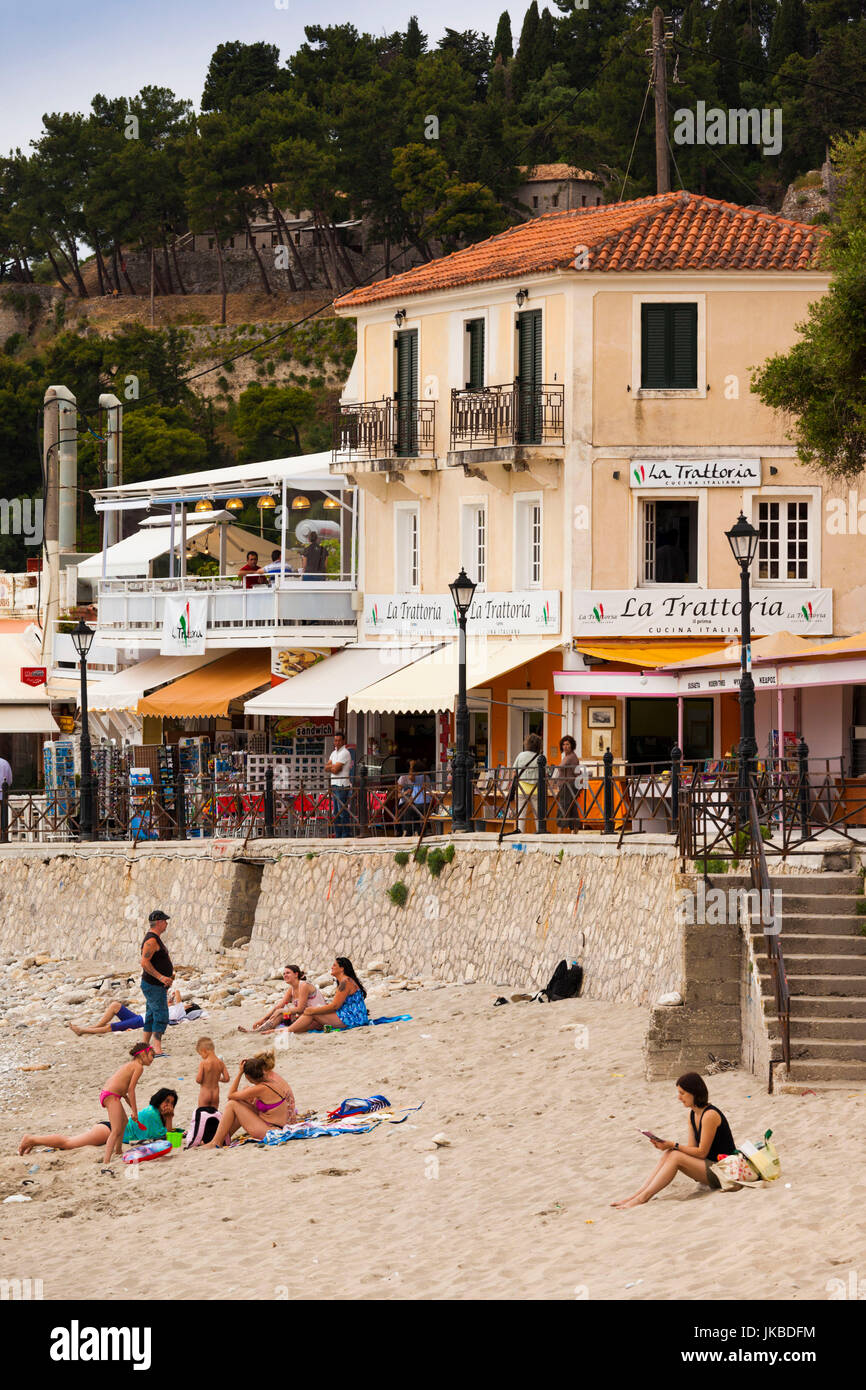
[385,429]
[511,414]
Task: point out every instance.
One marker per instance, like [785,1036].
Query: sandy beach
[543,1135]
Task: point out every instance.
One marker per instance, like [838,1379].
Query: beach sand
[543,1136]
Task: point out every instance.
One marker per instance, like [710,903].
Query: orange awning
[646,653]
[207,693]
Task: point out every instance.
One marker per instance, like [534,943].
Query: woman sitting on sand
[267,1104]
[709,1138]
[157,1117]
[299,994]
[347,1009]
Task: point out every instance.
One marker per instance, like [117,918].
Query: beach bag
[203,1128]
[566,982]
[733,1170]
[529,785]
[763,1157]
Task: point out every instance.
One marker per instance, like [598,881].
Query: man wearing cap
[157,975]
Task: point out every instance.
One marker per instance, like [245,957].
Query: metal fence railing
[508,414]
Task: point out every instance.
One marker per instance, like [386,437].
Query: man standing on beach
[157,975]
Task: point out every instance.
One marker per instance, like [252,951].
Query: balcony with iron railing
[250,610]
[511,423]
[384,435]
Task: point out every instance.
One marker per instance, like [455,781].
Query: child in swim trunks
[120,1087]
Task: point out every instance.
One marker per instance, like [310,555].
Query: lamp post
[743,540]
[462,592]
[82,640]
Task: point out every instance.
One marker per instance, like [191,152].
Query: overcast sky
[55,56]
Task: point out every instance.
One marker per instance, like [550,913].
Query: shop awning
[647,654]
[27,719]
[208,692]
[132,557]
[431,684]
[321,688]
[123,690]
[19,649]
[778,646]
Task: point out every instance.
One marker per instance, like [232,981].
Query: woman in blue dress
[347,1009]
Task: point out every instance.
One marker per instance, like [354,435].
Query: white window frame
[812,495]
[519,702]
[521,581]
[660,494]
[469,548]
[646,393]
[403,581]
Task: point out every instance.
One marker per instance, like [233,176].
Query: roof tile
[672,231]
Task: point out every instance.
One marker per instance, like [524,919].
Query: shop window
[527,543]
[669,347]
[669,541]
[473,541]
[407,555]
[783,544]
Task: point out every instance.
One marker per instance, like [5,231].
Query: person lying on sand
[298,996]
[156,1117]
[347,1009]
[709,1138]
[267,1104]
[120,1018]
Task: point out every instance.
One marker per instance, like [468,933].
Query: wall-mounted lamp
[400,317]
[521,296]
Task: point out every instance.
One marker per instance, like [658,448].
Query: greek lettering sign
[699,612]
[647,473]
[184,624]
[491,614]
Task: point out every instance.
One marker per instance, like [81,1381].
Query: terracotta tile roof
[544,173]
[673,231]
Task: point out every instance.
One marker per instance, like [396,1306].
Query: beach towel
[332,1028]
[321,1126]
[395,1018]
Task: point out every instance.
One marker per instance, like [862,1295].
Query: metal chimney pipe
[64,407]
[56,412]
[113,456]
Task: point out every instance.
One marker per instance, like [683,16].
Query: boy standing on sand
[212,1070]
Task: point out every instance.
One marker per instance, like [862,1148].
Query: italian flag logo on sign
[598,612]
[639,474]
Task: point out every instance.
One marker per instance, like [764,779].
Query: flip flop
[499,1001]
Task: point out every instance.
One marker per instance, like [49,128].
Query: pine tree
[414,42]
[524,60]
[789,33]
[723,50]
[503,44]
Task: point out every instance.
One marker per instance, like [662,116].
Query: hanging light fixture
[205,505]
[300,504]
[266,504]
[234,504]
[330,504]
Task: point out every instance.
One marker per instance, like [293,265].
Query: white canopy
[320,689]
[308,470]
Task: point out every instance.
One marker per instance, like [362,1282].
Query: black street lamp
[82,640]
[743,540]
[462,592]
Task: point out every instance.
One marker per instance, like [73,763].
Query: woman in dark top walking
[709,1138]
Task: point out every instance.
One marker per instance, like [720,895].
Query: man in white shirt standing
[340,769]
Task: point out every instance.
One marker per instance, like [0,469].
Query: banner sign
[184,624]
[34,675]
[699,612]
[535,611]
[648,473]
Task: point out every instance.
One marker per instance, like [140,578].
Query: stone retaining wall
[498,914]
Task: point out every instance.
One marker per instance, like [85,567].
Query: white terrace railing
[233,605]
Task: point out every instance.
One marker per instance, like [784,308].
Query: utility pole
[660,90]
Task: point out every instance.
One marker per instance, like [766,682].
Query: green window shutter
[407,391]
[683,350]
[669,347]
[475,329]
[529,376]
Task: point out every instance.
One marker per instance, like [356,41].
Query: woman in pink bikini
[119,1088]
[267,1104]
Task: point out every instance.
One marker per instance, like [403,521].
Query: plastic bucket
[175,1137]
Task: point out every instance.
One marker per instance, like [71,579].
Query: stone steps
[826,924]
[835,961]
[826,1071]
[827,1029]
[819,944]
